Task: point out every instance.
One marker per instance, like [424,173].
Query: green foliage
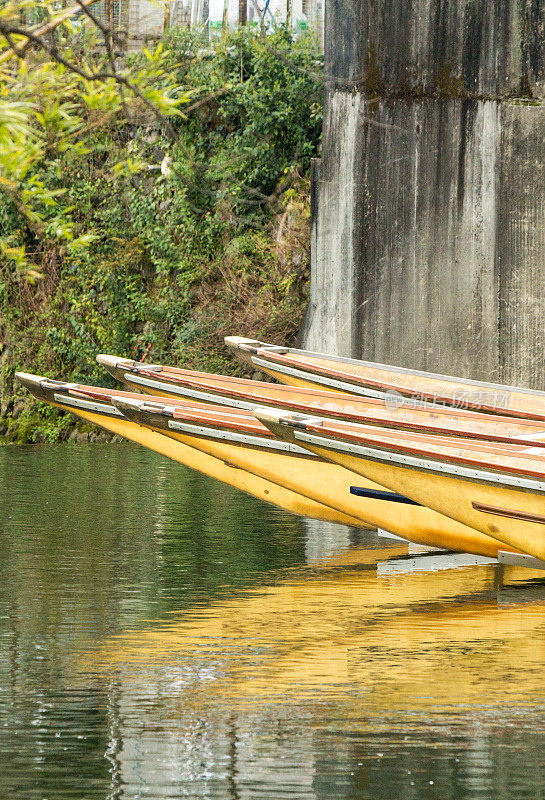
[266,113]
[116,238]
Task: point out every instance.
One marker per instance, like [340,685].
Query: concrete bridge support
[429,198]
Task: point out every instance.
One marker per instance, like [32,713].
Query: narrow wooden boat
[242,441]
[94,404]
[247,395]
[305,368]
[499,491]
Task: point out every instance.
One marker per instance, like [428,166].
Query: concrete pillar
[429,219]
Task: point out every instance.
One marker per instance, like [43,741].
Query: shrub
[167,244]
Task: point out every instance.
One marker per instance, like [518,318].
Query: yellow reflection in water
[352,635]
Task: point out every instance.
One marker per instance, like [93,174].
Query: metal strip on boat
[413,549]
[87,405]
[388,457]
[275,348]
[363,391]
[130,378]
[387,535]
[238,438]
[191,393]
[295,373]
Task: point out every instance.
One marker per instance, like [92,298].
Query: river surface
[164,636]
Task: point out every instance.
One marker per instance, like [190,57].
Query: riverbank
[186,239]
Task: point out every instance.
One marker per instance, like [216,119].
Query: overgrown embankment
[181,239]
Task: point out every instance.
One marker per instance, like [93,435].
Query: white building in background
[304,13]
[138,18]
[144,18]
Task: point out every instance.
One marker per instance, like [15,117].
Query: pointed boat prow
[242,343]
[114,361]
[114,365]
[144,412]
[283,423]
[246,348]
[31,382]
[117,367]
[243,348]
[39,386]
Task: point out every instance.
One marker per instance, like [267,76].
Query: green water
[163,636]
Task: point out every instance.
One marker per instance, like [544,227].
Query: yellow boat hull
[299,483]
[330,485]
[514,517]
[215,468]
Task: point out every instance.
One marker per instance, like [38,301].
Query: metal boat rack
[423,558]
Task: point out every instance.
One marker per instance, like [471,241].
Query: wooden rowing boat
[94,404]
[228,456]
[499,491]
[245,394]
[241,440]
[306,369]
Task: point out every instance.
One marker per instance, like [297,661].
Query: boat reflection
[342,632]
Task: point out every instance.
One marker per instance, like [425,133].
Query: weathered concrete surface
[398,47]
[426,226]
[333,290]
[520,251]
[429,210]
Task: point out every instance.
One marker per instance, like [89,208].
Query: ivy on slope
[178,240]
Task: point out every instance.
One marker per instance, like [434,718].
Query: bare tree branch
[206,99]
[9,31]
[104,29]
[16,50]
